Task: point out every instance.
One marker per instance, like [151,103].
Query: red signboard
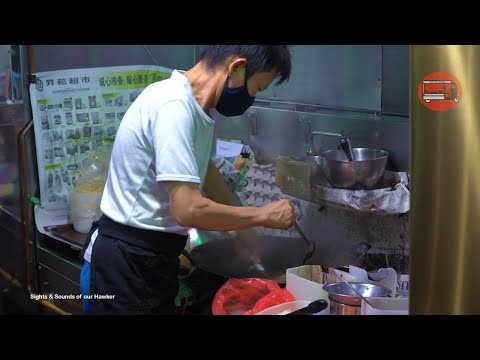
[440,91]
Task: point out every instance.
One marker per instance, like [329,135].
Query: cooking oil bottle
[86,196]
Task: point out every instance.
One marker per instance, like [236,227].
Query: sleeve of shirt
[173,132]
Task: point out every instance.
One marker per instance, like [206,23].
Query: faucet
[344,141]
[344,144]
[311,134]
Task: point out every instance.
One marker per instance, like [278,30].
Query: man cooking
[161,180]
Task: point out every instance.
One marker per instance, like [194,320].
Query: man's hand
[279,215]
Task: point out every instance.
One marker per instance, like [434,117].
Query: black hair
[261,58]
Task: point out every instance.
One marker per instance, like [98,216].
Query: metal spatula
[310,245]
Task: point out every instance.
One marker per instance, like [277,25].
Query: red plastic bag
[240,296]
[276,297]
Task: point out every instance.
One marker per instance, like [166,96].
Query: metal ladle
[347,148]
[310,245]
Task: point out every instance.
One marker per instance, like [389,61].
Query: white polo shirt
[164,136]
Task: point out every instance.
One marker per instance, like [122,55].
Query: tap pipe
[317,132]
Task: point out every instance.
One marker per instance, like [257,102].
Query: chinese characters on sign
[75,112]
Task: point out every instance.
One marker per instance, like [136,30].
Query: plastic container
[403,284]
[290,306]
[84,210]
[385,306]
[300,285]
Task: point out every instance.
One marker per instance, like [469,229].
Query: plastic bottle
[85,197]
[93,171]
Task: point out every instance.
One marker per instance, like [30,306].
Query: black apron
[134,271]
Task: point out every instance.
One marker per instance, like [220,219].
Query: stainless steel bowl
[342,293]
[362,173]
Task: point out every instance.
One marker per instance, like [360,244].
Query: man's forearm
[191,209]
[206,214]
[216,189]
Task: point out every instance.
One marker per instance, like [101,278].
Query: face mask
[234,101]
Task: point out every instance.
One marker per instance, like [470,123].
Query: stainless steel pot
[344,300]
[362,173]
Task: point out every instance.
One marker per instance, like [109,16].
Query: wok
[268,257]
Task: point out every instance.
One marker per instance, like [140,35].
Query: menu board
[75,112]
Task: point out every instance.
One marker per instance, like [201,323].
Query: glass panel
[15,73]
[4,72]
[10,74]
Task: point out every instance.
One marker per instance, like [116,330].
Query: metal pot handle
[192,268]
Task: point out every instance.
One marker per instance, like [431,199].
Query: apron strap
[89,238]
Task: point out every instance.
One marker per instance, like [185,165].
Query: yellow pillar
[445,181]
